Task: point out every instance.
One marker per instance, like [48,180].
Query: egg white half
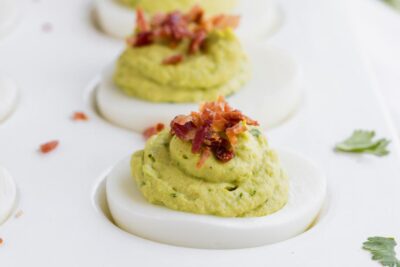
[8,15]
[8,194]
[259,18]
[8,97]
[132,213]
[272,94]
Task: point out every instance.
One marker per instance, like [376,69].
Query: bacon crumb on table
[1,241]
[214,128]
[80,116]
[153,130]
[49,146]
[18,214]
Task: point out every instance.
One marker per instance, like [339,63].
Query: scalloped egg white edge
[8,194]
[8,97]
[272,94]
[260,18]
[8,16]
[132,213]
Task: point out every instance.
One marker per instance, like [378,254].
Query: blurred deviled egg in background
[175,60]
[116,17]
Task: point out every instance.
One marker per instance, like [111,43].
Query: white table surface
[378,26]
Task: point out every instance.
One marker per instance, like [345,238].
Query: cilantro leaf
[394,3]
[362,142]
[382,250]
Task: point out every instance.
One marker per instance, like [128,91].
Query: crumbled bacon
[224,21]
[141,22]
[197,42]
[173,28]
[1,241]
[49,146]
[214,128]
[173,60]
[80,116]
[149,132]
[205,154]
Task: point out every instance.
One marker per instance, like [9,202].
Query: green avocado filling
[154,6]
[252,184]
[219,71]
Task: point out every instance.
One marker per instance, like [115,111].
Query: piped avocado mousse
[182,58]
[215,161]
[152,6]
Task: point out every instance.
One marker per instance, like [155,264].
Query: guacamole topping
[182,58]
[248,183]
[154,6]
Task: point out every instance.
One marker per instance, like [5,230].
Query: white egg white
[132,213]
[8,194]
[272,94]
[8,15]
[8,97]
[259,18]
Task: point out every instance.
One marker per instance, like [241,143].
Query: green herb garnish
[361,142]
[382,250]
[255,132]
[393,3]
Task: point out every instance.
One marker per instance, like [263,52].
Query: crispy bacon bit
[173,28]
[141,22]
[49,146]
[80,116]
[214,128]
[1,241]
[173,60]
[149,132]
[142,39]
[224,21]
[197,42]
[196,15]
[205,154]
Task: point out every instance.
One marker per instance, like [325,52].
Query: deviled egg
[8,97]
[8,15]
[175,61]
[116,17]
[211,180]
[8,194]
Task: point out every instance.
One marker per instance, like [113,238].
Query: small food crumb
[49,146]
[149,132]
[80,116]
[47,27]
[173,60]
[1,241]
[18,214]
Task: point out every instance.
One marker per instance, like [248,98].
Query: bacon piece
[153,130]
[205,154]
[201,135]
[80,116]
[143,39]
[234,131]
[196,15]
[173,60]
[141,23]
[222,150]
[197,41]
[226,21]
[49,146]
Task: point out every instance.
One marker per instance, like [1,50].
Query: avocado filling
[244,180]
